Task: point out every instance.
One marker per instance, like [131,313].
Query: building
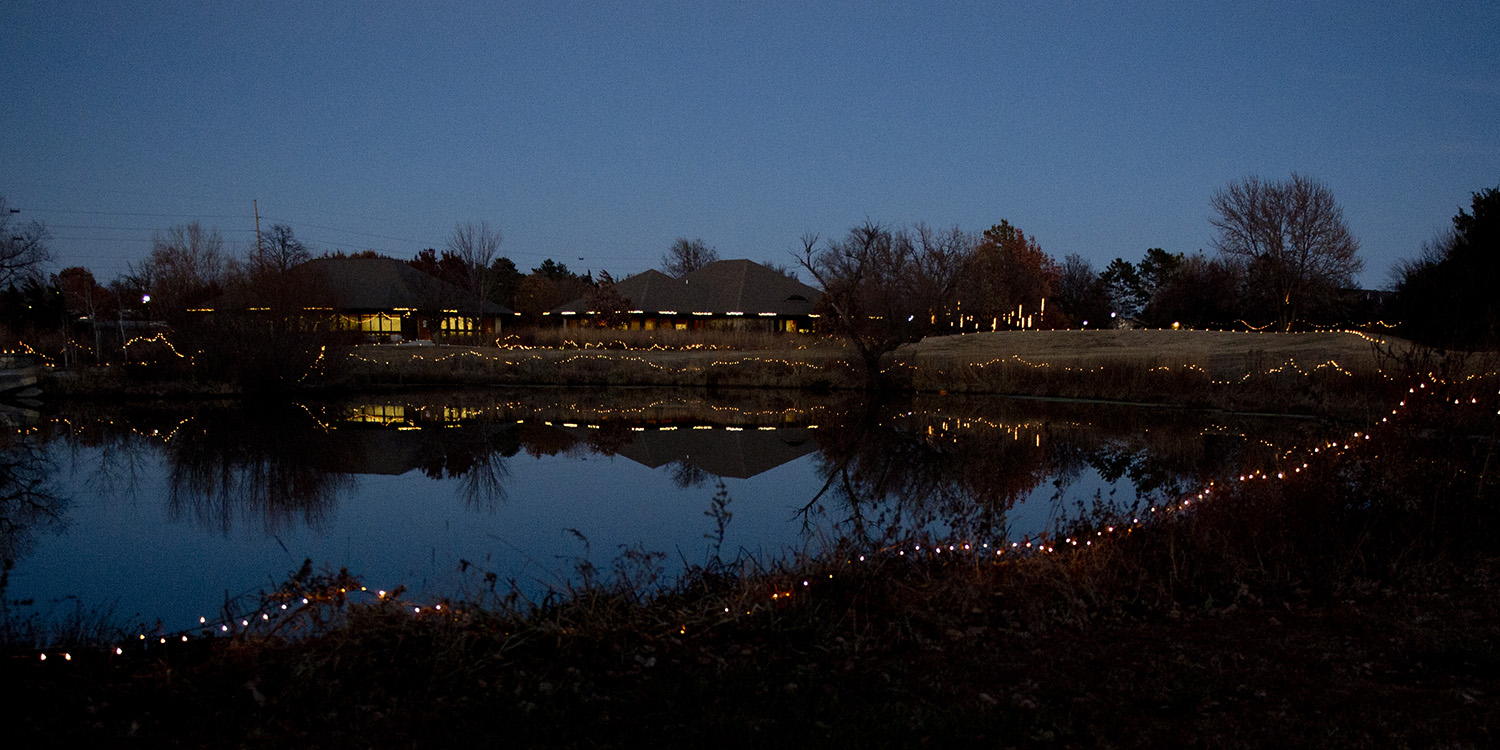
[726,294]
[386,298]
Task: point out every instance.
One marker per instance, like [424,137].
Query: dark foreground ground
[1408,664]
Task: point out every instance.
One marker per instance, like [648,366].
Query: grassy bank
[819,368]
[1345,373]
[1329,373]
[1350,602]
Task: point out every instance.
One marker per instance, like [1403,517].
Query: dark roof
[749,287]
[650,289]
[382,284]
[722,452]
[725,286]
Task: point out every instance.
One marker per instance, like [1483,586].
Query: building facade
[727,295]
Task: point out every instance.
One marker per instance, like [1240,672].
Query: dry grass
[822,368]
[1332,374]
[1341,374]
[1223,351]
[664,339]
[1326,373]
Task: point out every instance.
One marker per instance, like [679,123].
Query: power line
[132,213]
[129,229]
[351,231]
[103,239]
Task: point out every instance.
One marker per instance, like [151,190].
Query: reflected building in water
[720,450]
[394,438]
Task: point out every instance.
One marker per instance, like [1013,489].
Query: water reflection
[959,466]
[174,508]
[30,507]
[29,501]
[888,470]
[268,465]
[279,465]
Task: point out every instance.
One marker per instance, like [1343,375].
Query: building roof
[381,284]
[722,287]
[648,289]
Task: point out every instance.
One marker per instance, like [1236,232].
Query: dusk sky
[596,133]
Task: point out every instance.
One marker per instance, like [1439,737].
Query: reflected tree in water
[29,501]
[542,440]
[253,463]
[897,472]
[686,474]
[29,505]
[101,446]
[475,455]
[896,482]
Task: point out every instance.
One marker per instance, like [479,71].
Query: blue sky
[603,131]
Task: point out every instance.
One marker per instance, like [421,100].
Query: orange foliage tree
[1007,282]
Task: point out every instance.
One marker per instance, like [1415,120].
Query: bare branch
[686,256]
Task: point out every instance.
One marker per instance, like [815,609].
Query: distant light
[145,298]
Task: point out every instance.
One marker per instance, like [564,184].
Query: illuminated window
[380,323]
[460,414]
[457,324]
[379,413]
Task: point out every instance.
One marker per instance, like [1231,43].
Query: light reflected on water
[171,512]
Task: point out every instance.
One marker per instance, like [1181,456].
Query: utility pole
[255,204]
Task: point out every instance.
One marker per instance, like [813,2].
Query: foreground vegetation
[1348,604]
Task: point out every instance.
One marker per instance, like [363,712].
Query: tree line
[1282,258]
[1285,261]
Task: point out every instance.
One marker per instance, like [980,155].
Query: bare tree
[83,295]
[882,288]
[476,245]
[186,266]
[942,257]
[686,256]
[23,247]
[280,249]
[1291,236]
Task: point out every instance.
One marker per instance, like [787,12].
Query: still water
[162,513]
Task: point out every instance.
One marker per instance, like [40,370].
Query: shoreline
[1336,374]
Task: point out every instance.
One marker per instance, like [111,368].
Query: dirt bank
[1305,372]
[1340,374]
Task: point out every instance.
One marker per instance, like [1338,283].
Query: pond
[162,513]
